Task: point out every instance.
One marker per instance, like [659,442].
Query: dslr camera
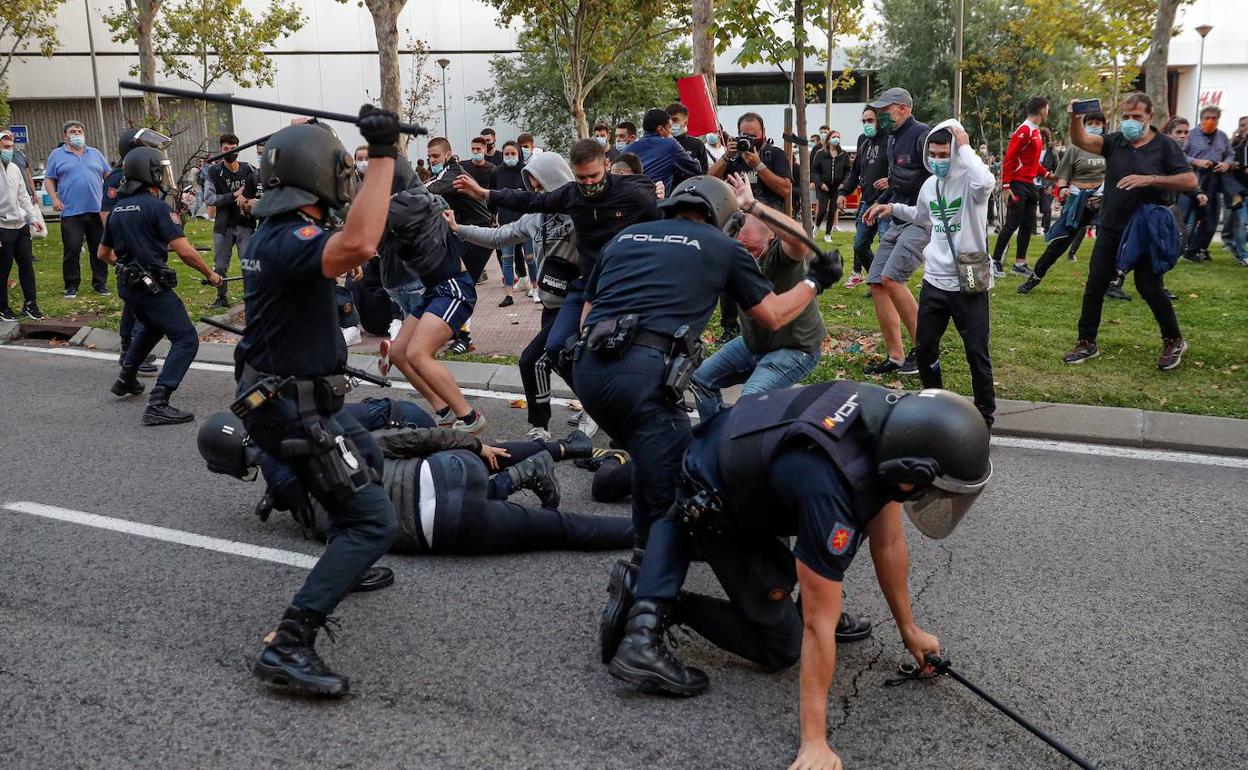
[744,144]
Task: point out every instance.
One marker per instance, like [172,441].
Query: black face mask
[230,157]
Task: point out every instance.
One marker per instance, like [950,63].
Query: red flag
[697,98]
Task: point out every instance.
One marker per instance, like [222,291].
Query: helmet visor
[146,137]
[937,510]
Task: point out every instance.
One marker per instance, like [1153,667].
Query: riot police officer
[289,364]
[137,238]
[828,463]
[647,300]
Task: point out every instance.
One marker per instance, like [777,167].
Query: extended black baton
[252,143]
[358,374]
[801,236]
[186,93]
[205,282]
[942,666]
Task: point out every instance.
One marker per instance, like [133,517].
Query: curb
[1026,419]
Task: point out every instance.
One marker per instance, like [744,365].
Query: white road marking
[232,547]
[1069,447]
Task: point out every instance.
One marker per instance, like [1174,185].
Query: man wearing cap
[901,248]
[74,180]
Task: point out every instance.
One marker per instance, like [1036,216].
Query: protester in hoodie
[870,172]
[510,176]
[953,203]
[663,158]
[555,242]
[901,248]
[680,132]
[1018,184]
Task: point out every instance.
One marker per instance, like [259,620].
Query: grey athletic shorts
[900,252]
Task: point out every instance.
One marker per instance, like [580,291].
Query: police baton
[357,374]
[798,234]
[185,93]
[252,143]
[942,666]
[206,282]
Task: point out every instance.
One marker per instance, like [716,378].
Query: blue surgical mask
[621,145]
[602,140]
[478,156]
[1132,129]
[868,129]
[6,155]
[436,168]
[1094,130]
[677,129]
[835,141]
[78,141]
[939,166]
[712,139]
[510,160]
[526,152]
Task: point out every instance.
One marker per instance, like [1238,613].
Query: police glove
[825,269]
[380,128]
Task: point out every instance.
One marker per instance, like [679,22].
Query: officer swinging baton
[185,93]
[358,374]
[205,282]
[942,666]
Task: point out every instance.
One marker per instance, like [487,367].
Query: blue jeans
[566,324]
[863,235]
[1241,232]
[410,298]
[507,260]
[735,364]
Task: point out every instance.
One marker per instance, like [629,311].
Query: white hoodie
[966,190]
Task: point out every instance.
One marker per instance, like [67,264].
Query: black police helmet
[144,167]
[304,165]
[126,143]
[712,195]
[140,137]
[942,426]
[223,444]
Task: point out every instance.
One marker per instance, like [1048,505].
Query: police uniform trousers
[361,527]
[156,316]
[622,395]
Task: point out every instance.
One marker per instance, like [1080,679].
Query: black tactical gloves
[380,128]
[825,269]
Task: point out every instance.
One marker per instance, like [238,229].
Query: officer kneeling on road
[138,236]
[290,361]
[831,464]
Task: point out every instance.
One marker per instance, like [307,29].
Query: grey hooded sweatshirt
[552,234]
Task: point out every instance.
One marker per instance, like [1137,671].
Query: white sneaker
[537,300]
[538,434]
[585,424]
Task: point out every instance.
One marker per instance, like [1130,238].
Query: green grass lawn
[1029,333]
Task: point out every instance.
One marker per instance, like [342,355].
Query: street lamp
[1203,29]
[444,63]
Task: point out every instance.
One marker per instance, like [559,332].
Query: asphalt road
[1103,597]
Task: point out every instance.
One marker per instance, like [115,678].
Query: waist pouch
[613,336]
[555,275]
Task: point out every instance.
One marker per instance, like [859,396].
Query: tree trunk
[146,17]
[386,28]
[704,44]
[1156,79]
[578,114]
[799,105]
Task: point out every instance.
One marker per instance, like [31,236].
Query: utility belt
[153,280]
[700,507]
[611,338]
[335,467]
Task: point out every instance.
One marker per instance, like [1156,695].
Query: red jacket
[1022,156]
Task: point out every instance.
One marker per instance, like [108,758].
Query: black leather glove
[380,128]
[825,269]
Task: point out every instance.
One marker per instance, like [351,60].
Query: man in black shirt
[229,189]
[1141,167]
[478,166]
[870,172]
[468,210]
[679,114]
[492,155]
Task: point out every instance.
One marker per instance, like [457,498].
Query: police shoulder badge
[112,192]
[307,232]
[840,539]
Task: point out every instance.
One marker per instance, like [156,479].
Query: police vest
[841,418]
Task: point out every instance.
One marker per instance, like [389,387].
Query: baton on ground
[205,282]
[358,374]
[942,667]
[185,93]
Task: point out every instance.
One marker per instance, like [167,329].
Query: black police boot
[289,657]
[146,369]
[852,629]
[159,412]
[575,446]
[375,579]
[615,615]
[643,658]
[127,383]
[538,474]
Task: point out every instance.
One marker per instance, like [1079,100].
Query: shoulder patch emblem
[840,539]
[112,192]
[177,220]
[307,232]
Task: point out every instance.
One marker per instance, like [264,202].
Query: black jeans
[969,313]
[74,231]
[15,246]
[1103,270]
[156,316]
[1046,208]
[1068,243]
[1208,217]
[824,210]
[1020,216]
[729,313]
[535,370]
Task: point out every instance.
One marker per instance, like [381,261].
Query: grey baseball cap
[893,96]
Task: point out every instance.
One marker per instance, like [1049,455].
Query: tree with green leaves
[205,42]
[1155,64]
[590,39]
[134,23]
[529,90]
[30,21]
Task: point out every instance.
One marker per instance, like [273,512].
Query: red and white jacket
[1022,156]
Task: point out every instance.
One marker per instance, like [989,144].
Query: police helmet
[140,137]
[304,165]
[224,445]
[938,442]
[145,167]
[712,195]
